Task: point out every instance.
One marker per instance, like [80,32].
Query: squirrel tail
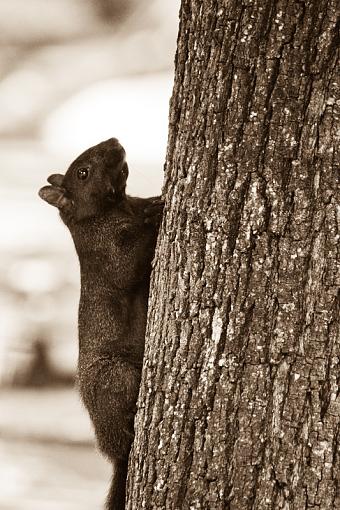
[116,496]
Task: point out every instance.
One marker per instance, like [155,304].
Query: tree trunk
[239,405]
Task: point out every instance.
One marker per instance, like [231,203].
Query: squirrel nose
[116,144]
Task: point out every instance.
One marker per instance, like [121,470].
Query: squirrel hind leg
[116,497]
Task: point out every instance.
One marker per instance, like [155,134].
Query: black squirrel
[114,236]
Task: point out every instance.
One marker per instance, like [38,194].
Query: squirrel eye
[82,173]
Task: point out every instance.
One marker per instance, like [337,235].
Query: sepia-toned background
[73,73]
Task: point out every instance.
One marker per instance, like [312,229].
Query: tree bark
[239,404]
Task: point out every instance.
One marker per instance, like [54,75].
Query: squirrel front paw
[154,211]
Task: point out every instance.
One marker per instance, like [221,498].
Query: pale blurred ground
[72,73]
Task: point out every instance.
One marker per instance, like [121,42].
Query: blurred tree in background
[113,9]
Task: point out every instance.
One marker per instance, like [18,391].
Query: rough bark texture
[239,406]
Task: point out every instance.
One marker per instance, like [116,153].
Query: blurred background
[73,73]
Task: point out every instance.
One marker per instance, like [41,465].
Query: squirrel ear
[54,196]
[56,179]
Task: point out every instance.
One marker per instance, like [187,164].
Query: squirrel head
[93,183]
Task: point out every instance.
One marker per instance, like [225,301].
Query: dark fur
[114,236]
